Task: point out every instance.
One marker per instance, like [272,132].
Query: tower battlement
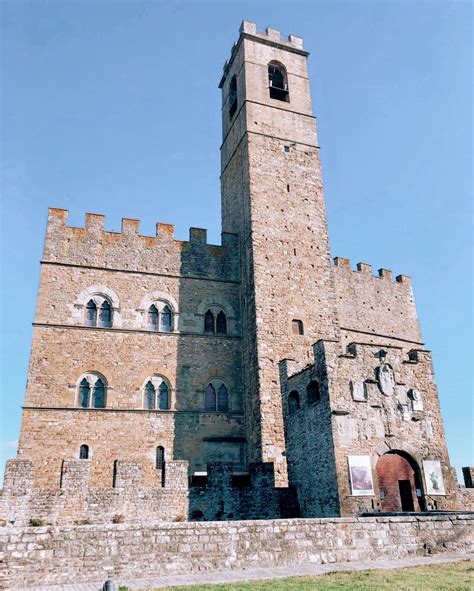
[366,269]
[92,245]
[269,36]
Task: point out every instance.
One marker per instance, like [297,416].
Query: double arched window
[159,317]
[156,394]
[216,396]
[98,312]
[91,391]
[278,82]
[215,322]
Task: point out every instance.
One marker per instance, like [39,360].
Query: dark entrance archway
[399,482]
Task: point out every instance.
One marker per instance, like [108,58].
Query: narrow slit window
[165,320]
[297,327]
[98,395]
[233,97]
[160,457]
[91,313]
[152,319]
[209,398]
[312,392]
[163,396]
[149,396]
[84,393]
[84,452]
[209,322]
[223,399]
[293,402]
[221,323]
[105,315]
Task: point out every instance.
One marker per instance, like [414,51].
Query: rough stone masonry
[179,380]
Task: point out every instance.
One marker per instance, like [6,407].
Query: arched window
[209,323]
[232,97]
[165,319]
[98,394]
[278,82]
[156,393]
[222,399]
[105,315]
[221,323]
[84,452]
[149,396]
[98,312]
[312,392]
[160,457]
[91,313]
[91,391]
[163,398]
[84,393]
[209,398]
[216,396]
[293,401]
[297,327]
[159,317]
[152,319]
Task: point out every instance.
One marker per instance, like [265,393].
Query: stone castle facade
[258,378]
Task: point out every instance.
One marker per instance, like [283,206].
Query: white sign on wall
[360,471]
[433,477]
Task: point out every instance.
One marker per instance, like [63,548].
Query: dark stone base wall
[93,553]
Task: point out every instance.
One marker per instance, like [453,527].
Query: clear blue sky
[113,107]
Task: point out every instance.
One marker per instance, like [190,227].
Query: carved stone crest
[386,379]
[358,391]
[416,400]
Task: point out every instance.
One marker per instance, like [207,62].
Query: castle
[259,378]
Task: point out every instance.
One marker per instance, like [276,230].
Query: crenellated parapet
[75,501]
[366,269]
[94,246]
[385,308]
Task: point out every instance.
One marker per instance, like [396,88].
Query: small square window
[286,149]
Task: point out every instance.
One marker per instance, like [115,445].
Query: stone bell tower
[272,197]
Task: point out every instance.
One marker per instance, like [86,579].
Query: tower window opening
[233,97]
[278,82]
[297,327]
[84,452]
[160,457]
[312,392]
[293,401]
[287,186]
[286,149]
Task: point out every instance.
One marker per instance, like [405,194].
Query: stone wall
[354,417]
[386,310]
[272,198]
[227,496]
[85,554]
[220,494]
[74,501]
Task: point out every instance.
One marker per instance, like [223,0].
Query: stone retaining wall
[56,555]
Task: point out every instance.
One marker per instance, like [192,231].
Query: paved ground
[253,575]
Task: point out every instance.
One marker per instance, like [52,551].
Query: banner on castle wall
[433,477]
[360,471]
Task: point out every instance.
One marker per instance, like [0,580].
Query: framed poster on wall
[360,471]
[433,477]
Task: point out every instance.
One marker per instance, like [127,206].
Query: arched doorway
[399,482]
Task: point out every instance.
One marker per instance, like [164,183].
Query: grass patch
[432,577]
